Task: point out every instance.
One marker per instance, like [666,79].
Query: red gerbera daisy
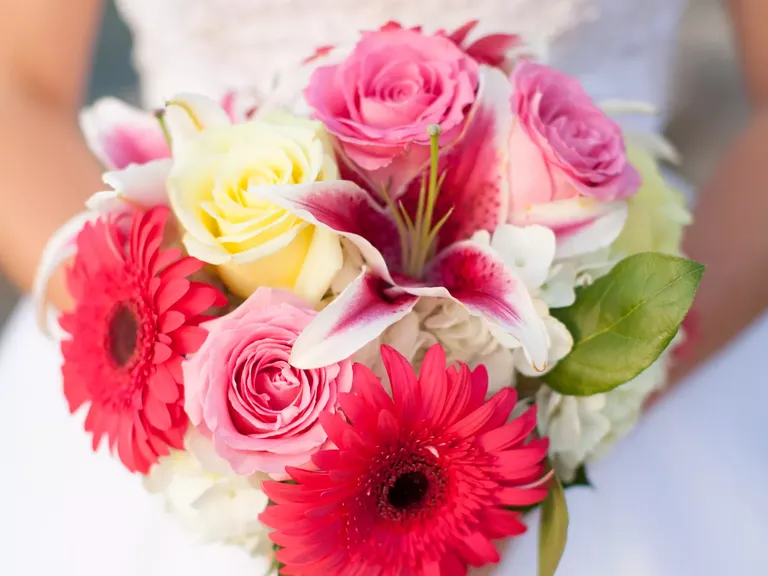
[135,316]
[420,484]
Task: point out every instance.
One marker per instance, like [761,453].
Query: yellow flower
[657,213]
[213,189]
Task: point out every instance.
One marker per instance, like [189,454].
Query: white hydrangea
[465,338]
[406,336]
[468,339]
[530,252]
[583,428]
[212,501]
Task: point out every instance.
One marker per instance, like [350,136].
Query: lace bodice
[618,48]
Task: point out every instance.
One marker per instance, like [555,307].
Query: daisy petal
[361,313]
[170,293]
[188,339]
[402,380]
[162,353]
[503,523]
[164,387]
[157,413]
[180,269]
[475,276]
[171,320]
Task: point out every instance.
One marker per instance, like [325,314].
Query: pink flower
[136,316]
[422,483]
[475,189]
[562,145]
[120,135]
[262,413]
[379,101]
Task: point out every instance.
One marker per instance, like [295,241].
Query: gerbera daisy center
[410,487]
[408,490]
[123,334]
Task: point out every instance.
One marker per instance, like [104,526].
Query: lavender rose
[562,145]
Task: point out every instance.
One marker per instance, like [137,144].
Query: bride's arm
[730,231]
[46,171]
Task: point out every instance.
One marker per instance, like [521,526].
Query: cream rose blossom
[213,186]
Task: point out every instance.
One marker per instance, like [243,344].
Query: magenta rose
[379,101]
[562,145]
[260,411]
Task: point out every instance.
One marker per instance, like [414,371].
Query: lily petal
[137,185]
[346,209]
[477,278]
[476,186]
[361,313]
[188,114]
[581,225]
[119,134]
[60,247]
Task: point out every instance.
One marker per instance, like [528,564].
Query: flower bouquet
[369,337]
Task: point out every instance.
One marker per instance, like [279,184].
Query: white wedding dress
[684,495]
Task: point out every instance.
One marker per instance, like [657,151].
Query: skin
[46,172]
[729,231]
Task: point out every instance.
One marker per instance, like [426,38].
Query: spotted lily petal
[120,135]
[476,186]
[363,311]
[476,277]
[345,208]
[581,225]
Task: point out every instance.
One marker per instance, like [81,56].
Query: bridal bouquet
[369,338]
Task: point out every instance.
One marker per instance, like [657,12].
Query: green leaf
[553,530]
[623,321]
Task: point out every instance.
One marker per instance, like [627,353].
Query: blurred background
[708,108]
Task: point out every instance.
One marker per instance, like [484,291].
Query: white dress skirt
[683,495]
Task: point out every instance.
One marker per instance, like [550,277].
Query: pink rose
[562,145]
[260,411]
[379,101]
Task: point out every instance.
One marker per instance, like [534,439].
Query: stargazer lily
[418,245]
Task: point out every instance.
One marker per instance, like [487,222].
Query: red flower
[419,485]
[136,315]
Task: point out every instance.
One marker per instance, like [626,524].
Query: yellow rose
[657,213]
[253,242]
